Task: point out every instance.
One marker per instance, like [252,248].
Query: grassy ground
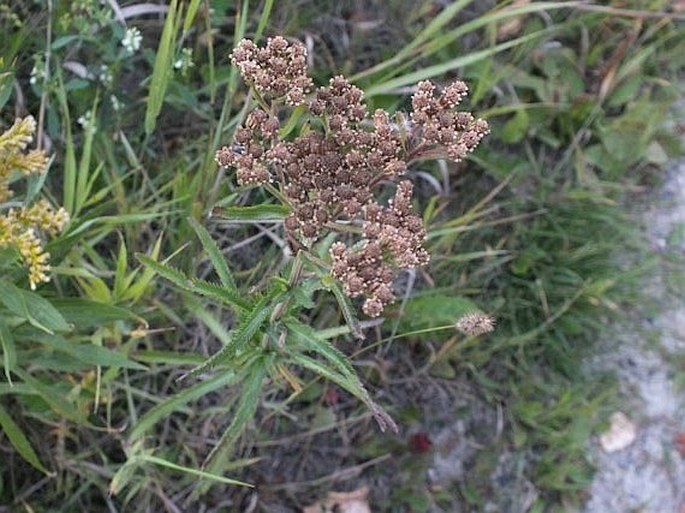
[530,230]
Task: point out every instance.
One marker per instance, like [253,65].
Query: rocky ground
[644,471]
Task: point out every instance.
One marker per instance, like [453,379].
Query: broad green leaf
[32,307]
[435,310]
[214,253]
[177,401]
[84,313]
[19,441]
[161,71]
[252,214]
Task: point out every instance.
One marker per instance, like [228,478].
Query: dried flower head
[475,323]
[22,227]
[332,171]
[275,71]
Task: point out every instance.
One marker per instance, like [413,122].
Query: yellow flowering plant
[23,226]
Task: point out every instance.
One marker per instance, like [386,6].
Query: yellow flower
[22,227]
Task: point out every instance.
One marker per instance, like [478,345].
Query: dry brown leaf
[511,28]
[342,502]
[680,443]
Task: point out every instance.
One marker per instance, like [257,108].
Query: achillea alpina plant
[330,174]
[21,227]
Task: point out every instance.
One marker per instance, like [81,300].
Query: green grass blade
[82,178]
[19,441]
[53,398]
[263,19]
[190,15]
[197,473]
[176,402]
[214,253]
[70,169]
[161,71]
[9,351]
[440,69]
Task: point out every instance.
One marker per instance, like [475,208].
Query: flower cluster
[21,227]
[277,71]
[475,323]
[332,171]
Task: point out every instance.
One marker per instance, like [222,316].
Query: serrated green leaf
[312,342]
[178,278]
[247,405]
[349,383]
[19,441]
[214,253]
[345,306]
[248,327]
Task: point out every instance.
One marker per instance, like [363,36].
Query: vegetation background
[533,229]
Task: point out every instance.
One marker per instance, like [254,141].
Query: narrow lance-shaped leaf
[312,342]
[178,278]
[252,214]
[194,472]
[214,253]
[57,402]
[247,405]
[349,383]
[248,327]
[19,441]
[9,351]
[345,305]
[162,69]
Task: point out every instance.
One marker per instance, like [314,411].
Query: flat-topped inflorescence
[331,172]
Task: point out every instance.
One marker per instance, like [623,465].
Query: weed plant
[134,101]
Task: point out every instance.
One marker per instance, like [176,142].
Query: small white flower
[131,40]
[87,121]
[116,104]
[105,75]
[37,73]
[185,61]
